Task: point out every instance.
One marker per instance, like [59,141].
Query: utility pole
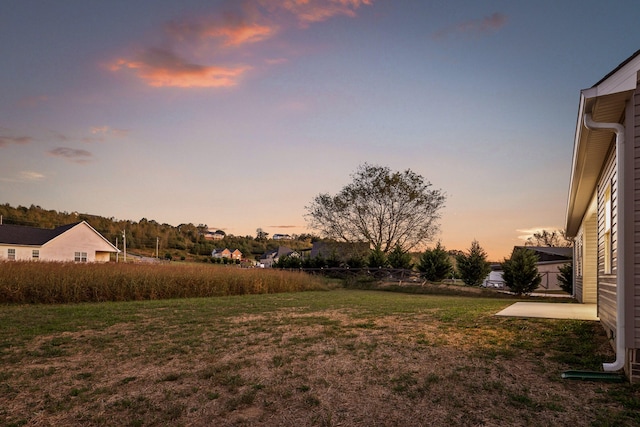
[117,253]
[157,246]
[124,238]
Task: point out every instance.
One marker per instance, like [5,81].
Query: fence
[549,281]
[383,274]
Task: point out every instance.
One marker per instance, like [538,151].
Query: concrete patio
[548,310]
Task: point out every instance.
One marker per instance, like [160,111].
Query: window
[35,254]
[11,254]
[607,230]
[80,257]
[578,249]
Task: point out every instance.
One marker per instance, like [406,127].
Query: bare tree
[381,207]
[555,238]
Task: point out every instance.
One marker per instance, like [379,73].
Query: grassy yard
[323,358]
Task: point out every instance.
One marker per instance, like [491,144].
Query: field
[319,358]
[54,283]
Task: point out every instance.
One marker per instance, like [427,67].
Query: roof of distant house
[547,253]
[277,253]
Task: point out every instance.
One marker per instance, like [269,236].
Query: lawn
[322,358]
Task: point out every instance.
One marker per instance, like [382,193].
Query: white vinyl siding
[607,269]
[607,248]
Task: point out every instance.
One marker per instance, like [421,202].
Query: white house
[269,258]
[281,237]
[77,242]
[603,209]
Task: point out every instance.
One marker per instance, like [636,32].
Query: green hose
[594,376]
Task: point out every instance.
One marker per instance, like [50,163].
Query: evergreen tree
[520,272]
[356,261]
[566,278]
[398,258]
[435,264]
[473,266]
[377,258]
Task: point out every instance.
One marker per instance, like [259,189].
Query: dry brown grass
[341,358]
[50,282]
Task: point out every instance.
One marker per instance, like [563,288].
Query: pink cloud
[71,154]
[17,140]
[485,25]
[31,176]
[233,31]
[163,68]
[179,62]
[310,11]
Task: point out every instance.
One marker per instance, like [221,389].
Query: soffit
[590,152]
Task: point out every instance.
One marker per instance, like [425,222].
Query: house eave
[605,101]
[591,149]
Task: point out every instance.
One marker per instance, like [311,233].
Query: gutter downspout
[619,363]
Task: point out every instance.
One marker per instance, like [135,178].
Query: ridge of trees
[145,235]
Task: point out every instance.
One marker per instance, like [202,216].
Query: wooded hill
[185,241]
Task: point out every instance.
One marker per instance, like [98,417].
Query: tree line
[149,237]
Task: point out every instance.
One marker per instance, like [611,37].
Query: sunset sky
[235,114]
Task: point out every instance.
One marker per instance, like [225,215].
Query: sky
[236,114]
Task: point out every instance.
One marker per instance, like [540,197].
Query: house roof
[546,253]
[277,253]
[30,236]
[605,101]
[33,236]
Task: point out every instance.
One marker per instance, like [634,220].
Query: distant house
[226,253]
[269,258]
[236,254]
[215,235]
[549,260]
[221,253]
[78,242]
[281,237]
[603,209]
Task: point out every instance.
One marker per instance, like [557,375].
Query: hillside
[184,241]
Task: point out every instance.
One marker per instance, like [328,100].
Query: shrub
[473,266]
[435,264]
[520,272]
[398,258]
[356,261]
[288,261]
[566,278]
[377,258]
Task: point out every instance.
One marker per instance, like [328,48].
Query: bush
[566,278]
[288,261]
[377,258]
[356,261]
[473,266]
[398,258]
[520,272]
[435,264]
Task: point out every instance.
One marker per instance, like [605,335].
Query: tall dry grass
[53,283]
